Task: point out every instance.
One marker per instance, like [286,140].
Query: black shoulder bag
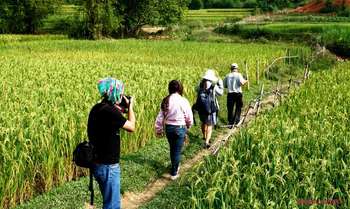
[84,156]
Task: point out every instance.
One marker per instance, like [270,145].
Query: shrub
[345,12]
[62,26]
[196,4]
[78,28]
[195,24]
[323,61]
[337,41]
[250,4]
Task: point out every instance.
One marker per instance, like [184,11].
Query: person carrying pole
[234,82]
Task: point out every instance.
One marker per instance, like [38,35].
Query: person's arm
[188,114]
[242,80]
[159,124]
[130,123]
[219,88]
[225,82]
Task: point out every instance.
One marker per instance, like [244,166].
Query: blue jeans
[176,136]
[108,178]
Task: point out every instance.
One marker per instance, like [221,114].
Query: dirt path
[132,200]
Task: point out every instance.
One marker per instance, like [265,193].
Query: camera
[124,105]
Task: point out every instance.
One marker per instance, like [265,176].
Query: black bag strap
[91,187]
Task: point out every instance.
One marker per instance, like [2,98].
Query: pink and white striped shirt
[179,113]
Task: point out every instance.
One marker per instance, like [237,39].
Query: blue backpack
[205,103]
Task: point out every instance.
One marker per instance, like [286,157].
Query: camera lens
[124,104]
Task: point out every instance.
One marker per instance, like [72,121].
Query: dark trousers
[176,136]
[234,99]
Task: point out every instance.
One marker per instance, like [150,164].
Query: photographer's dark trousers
[234,100]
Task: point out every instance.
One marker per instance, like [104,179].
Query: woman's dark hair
[174,86]
[203,84]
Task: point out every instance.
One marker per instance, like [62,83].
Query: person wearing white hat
[207,105]
[234,82]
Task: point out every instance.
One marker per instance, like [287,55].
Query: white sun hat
[210,75]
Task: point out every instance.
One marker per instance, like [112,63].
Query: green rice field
[216,16]
[49,85]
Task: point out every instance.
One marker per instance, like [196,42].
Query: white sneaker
[174,177]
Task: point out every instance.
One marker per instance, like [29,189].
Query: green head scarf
[111,89]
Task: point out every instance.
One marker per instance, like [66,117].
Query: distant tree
[110,19]
[222,3]
[196,4]
[77,2]
[123,18]
[126,17]
[25,16]
[102,18]
[267,5]
[207,3]
[93,19]
[250,4]
[271,5]
[171,11]
[137,13]
[225,4]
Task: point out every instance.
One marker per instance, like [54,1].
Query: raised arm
[219,88]
[242,80]
[130,123]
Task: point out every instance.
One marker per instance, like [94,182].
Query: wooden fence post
[246,72]
[257,72]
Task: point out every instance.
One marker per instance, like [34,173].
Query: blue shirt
[233,82]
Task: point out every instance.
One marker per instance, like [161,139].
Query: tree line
[126,17]
[24,16]
[115,18]
[111,18]
[207,4]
